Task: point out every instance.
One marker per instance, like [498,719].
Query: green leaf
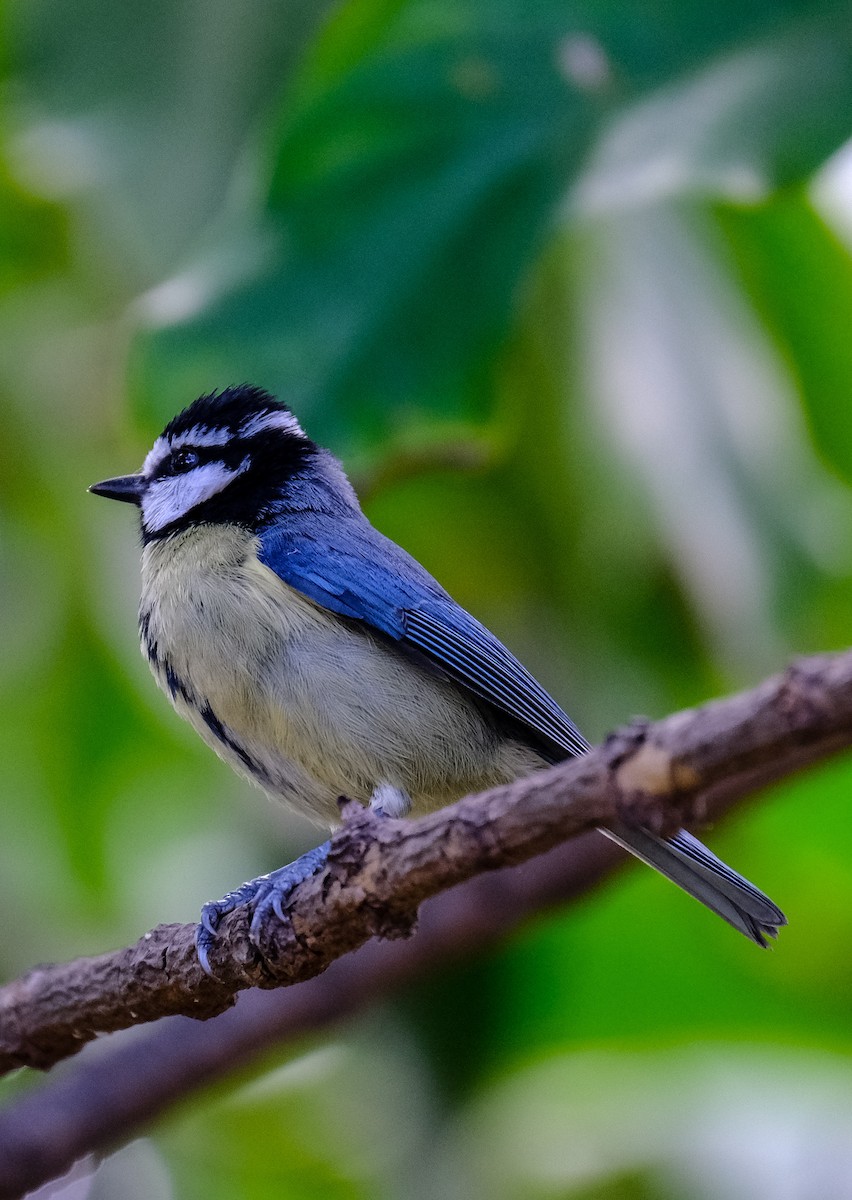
[138,116]
[799,275]
[420,167]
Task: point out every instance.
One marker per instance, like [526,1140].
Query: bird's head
[228,457]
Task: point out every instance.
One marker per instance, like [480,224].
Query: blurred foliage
[575,275]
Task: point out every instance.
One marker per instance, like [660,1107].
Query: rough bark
[379,870]
[104,1098]
[696,763]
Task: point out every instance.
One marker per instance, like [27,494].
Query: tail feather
[688,863]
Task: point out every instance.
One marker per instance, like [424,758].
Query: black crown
[227,409]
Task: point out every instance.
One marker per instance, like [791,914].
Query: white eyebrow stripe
[155,456]
[168,500]
[203,435]
[284,421]
[200,435]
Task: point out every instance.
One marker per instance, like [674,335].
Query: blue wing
[347,566]
[342,563]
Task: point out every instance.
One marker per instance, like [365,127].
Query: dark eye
[183,460]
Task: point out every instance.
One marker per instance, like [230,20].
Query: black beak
[128,488]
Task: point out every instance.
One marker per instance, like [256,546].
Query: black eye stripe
[187,458]
[179,462]
[184,460]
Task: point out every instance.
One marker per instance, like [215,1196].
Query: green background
[568,287]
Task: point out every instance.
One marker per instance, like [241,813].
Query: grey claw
[254,928]
[201,951]
[266,895]
[207,921]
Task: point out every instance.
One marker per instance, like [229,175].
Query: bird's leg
[388,800]
[267,894]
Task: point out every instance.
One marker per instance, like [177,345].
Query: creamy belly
[306,705]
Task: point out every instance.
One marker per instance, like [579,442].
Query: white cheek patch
[283,421]
[167,500]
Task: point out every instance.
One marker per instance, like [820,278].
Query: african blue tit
[320,660]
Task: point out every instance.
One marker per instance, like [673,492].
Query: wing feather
[347,566]
[342,563]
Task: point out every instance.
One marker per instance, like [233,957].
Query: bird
[321,660]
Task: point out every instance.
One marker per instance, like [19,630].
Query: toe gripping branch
[267,895]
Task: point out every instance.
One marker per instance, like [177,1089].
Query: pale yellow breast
[321,706]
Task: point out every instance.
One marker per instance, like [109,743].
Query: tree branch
[106,1098]
[380,870]
[108,1095]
